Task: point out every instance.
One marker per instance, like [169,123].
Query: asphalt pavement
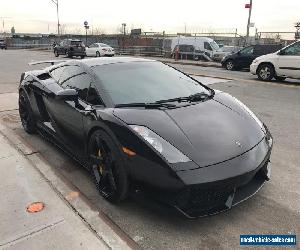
[274,209]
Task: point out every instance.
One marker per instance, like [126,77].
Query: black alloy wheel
[25,112]
[107,167]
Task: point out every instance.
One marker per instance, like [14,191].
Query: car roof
[91,62]
[112,60]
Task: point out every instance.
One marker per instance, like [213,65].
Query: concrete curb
[98,222]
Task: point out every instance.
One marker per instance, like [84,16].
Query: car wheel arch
[265,63]
[101,128]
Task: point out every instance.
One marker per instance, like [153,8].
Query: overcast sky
[39,16]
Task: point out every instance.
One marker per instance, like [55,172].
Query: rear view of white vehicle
[279,65]
[99,49]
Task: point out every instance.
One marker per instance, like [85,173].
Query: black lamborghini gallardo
[143,124]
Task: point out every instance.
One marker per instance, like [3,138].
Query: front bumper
[253,68]
[211,190]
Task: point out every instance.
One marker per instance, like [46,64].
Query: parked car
[192,47]
[70,48]
[279,65]
[3,44]
[225,51]
[243,58]
[139,124]
[99,49]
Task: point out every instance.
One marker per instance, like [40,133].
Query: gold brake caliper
[101,167]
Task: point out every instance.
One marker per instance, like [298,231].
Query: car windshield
[214,45]
[145,82]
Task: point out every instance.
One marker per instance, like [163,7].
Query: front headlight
[168,151]
[254,61]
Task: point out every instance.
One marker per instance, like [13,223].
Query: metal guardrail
[31,46]
[140,50]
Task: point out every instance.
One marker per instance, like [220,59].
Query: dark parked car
[3,44]
[70,48]
[139,124]
[243,58]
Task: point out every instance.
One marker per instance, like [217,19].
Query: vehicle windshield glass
[103,45]
[144,82]
[76,42]
[214,45]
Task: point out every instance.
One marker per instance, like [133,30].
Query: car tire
[68,54]
[56,53]
[107,167]
[98,54]
[26,114]
[229,65]
[265,72]
[82,57]
[280,78]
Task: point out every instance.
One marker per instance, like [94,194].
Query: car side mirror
[67,95]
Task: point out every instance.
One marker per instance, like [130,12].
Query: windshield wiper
[191,98]
[145,105]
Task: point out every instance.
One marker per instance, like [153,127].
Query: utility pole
[248,6]
[56,3]
[124,28]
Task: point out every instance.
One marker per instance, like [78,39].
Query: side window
[247,51]
[93,96]
[92,46]
[56,73]
[76,78]
[293,50]
[207,46]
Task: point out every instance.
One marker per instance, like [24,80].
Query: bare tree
[98,31]
[63,29]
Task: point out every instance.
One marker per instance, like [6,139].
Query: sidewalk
[60,225]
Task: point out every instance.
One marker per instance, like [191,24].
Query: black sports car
[137,123]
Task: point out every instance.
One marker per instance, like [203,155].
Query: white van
[279,65]
[192,47]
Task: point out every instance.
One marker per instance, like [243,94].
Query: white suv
[279,65]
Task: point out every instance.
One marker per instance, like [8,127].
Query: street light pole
[86,26]
[248,24]
[56,3]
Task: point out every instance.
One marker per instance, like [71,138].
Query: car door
[90,50]
[245,57]
[207,49]
[288,63]
[67,116]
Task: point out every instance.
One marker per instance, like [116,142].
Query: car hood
[267,56]
[208,133]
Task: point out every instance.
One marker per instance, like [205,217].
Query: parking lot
[274,210]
